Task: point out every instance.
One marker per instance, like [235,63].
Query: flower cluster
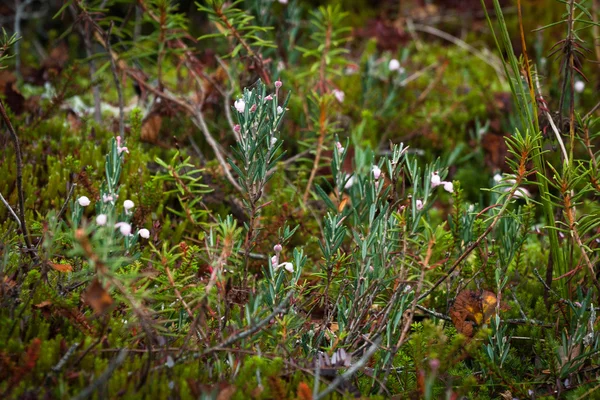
[288,266]
[437,181]
[105,208]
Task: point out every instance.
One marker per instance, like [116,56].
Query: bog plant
[279,251]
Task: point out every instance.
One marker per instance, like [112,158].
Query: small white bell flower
[83,201]
[435,179]
[240,105]
[349,182]
[288,266]
[101,219]
[128,205]
[394,65]
[145,233]
[124,228]
[448,187]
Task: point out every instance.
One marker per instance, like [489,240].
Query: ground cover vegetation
[299,199]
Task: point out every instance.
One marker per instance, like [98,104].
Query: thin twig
[102,379]
[489,59]
[200,123]
[10,210]
[551,121]
[15,139]
[227,98]
[434,313]
[320,143]
[351,371]
[239,336]
[61,363]
[476,243]
[66,203]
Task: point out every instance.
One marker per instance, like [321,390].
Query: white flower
[448,187]
[497,178]
[145,233]
[349,183]
[339,95]
[288,266]
[376,172]
[128,205]
[579,86]
[339,146]
[101,219]
[274,261]
[124,227]
[83,201]
[394,65]
[435,179]
[277,248]
[273,141]
[279,109]
[419,204]
[283,1]
[521,192]
[240,105]
[107,197]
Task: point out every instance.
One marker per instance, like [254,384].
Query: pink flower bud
[419,204]
[376,172]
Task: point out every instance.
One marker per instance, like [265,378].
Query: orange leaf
[62,267]
[343,203]
[43,304]
[304,392]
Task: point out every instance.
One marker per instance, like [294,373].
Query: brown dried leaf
[97,297]
[151,128]
[471,309]
[61,267]
[226,393]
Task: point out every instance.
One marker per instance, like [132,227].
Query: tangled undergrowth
[266,199]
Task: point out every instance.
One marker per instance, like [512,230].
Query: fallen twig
[351,371]
[102,379]
[15,139]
